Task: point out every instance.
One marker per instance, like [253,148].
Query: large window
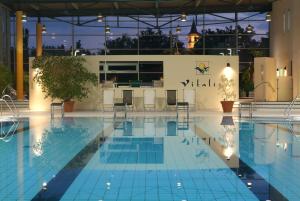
[220,34]
[4,36]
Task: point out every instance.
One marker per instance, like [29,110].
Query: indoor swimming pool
[210,158]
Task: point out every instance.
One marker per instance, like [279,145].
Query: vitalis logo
[199,83]
[202,68]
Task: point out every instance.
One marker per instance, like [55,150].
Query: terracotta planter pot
[69,106]
[227,106]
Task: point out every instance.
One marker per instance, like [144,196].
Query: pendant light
[178,29]
[107,29]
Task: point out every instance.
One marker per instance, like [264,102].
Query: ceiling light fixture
[183,17]
[178,29]
[100,17]
[107,29]
[24,17]
[249,28]
[268,17]
[44,29]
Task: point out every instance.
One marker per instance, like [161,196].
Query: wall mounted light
[268,17]
[228,71]
[100,17]
[178,29]
[24,17]
[44,29]
[249,28]
[107,29]
[285,72]
[183,17]
[281,72]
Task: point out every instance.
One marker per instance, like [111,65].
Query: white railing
[12,108]
[6,134]
[290,107]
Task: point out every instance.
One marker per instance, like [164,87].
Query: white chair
[108,98]
[189,96]
[149,98]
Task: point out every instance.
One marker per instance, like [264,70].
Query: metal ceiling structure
[157,8]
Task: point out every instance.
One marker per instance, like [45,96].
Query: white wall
[285,43]
[177,68]
[265,85]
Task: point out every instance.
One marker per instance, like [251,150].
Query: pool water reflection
[150,158]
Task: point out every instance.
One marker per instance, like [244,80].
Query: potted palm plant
[64,78]
[226,87]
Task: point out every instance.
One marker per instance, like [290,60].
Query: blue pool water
[160,158]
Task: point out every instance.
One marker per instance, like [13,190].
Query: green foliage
[63,77]
[246,83]
[226,88]
[5,77]
[149,41]
[26,83]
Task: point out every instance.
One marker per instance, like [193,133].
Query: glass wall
[219,34]
[4,36]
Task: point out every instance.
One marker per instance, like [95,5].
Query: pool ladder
[290,107]
[8,124]
[5,99]
[6,132]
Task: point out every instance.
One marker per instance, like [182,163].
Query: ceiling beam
[34,6]
[197,3]
[156,5]
[125,12]
[238,2]
[75,5]
[132,7]
[75,1]
[116,5]
[157,8]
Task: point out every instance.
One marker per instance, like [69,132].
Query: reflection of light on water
[37,140]
[44,185]
[283,145]
[228,152]
[229,141]
[108,185]
[38,149]
[249,184]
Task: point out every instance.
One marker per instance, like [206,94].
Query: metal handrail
[288,110]
[11,91]
[2,100]
[16,111]
[265,83]
[6,136]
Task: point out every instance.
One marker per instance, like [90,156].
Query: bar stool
[57,105]
[120,107]
[182,106]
